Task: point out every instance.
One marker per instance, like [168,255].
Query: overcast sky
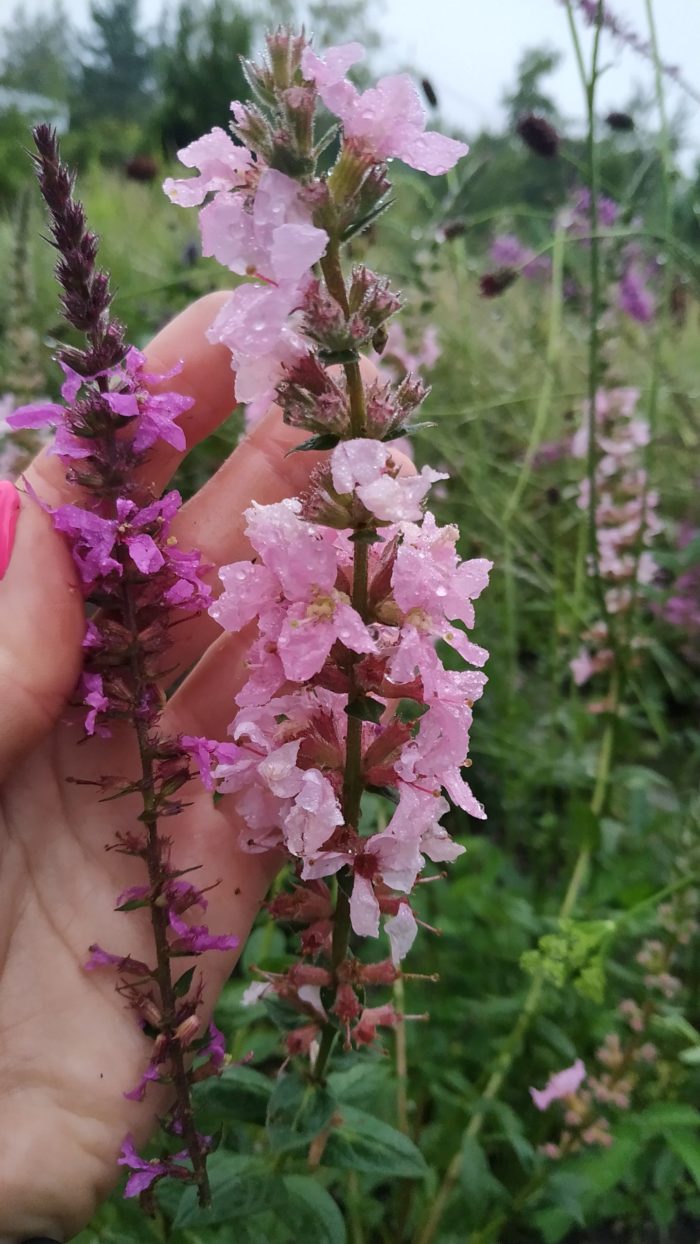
[469,49]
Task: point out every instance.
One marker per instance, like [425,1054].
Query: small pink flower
[388,119]
[272,238]
[145,1173]
[560,1085]
[196,939]
[365,467]
[223,166]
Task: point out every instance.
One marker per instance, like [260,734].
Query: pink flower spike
[560,1085]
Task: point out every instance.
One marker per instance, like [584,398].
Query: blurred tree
[199,70]
[527,94]
[37,52]
[116,79]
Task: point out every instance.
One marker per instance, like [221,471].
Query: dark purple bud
[538,134]
[429,92]
[141,168]
[620,121]
[494,283]
[453,229]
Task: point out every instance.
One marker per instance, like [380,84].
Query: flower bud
[539,135]
[186,1032]
[492,284]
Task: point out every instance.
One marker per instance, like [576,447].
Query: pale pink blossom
[366,468]
[560,1085]
[223,166]
[388,120]
[271,236]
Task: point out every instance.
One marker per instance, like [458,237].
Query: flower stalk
[346,625]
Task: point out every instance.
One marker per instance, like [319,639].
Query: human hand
[69,1046]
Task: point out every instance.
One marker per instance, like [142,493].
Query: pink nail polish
[9,510]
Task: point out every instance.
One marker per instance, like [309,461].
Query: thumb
[42,624]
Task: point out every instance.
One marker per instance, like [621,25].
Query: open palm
[69,1048]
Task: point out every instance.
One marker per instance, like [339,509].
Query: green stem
[589,83]
[510,1050]
[352,776]
[159,925]
[544,400]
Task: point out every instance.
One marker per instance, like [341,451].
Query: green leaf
[322,440]
[603,1170]
[584,826]
[365,221]
[554,1224]
[312,1215]
[479,1186]
[665,1116]
[240,1094]
[240,1186]
[297,1111]
[182,984]
[691,1056]
[361,1084]
[364,708]
[410,429]
[264,948]
[676,1023]
[686,1146]
[361,1142]
[410,710]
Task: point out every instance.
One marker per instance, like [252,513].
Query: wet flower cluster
[352,584]
[625,513]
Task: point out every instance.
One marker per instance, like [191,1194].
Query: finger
[206,376]
[42,624]
[260,469]
[41,611]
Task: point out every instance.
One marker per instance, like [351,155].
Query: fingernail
[9,510]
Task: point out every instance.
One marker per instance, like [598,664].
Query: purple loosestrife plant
[626,520]
[137,584]
[353,582]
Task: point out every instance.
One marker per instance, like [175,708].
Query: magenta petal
[141,1180]
[38,415]
[145,554]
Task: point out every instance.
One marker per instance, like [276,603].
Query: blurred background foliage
[127,98]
